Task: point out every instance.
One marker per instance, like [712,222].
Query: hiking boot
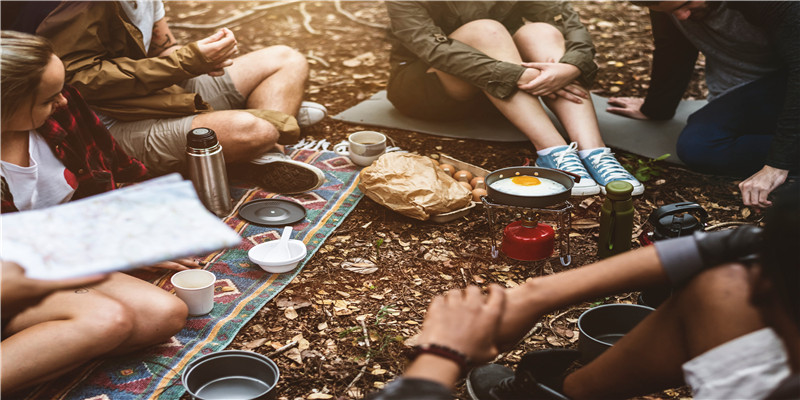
[276,172]
[310,113]
[566,158]
[605,168]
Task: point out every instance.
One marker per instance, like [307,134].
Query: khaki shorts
[748,367]
[161,143]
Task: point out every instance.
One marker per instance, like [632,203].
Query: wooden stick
[353,18]
[230,20]
[307,20]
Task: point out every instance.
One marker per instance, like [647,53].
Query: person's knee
[247,130]
[482,32]
[695,150]
[540,31]
[725,284]
[110,322]
[170,315]
[290,58]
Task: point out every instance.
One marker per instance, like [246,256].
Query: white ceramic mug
[363,147]
[196,288]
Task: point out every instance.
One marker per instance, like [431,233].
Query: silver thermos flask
[207,170]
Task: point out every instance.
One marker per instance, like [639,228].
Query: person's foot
[605,168]
[310,113]
[276,172]
[566,158]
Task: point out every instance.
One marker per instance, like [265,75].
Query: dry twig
[353,18]
[230,21]
[307,20]
[366,362]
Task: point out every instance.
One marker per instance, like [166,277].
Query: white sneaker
[310,113]
[277,173]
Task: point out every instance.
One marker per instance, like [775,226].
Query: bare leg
[540,42]
[242,135]
[272,78]
[712,309]
[69,328]
[522,109]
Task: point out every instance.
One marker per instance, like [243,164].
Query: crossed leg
[69,328]
[712,309]
[272,78]
[534,42]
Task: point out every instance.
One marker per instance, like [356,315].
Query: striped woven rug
[156,372]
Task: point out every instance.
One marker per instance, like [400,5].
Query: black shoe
[540,375]
[493,382]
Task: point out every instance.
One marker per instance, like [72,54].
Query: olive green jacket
[420,30]
[106,61]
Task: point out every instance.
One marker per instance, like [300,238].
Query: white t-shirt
[44,183]
[144,14]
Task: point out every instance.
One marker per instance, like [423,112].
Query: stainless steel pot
[561,177]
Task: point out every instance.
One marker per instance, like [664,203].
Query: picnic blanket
[242,289]
[645,138]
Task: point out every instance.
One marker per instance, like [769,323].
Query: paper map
[161,219]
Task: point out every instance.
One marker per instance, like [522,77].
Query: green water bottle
[616,220]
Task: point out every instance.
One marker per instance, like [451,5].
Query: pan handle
[575,176]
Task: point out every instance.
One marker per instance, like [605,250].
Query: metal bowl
[529,201]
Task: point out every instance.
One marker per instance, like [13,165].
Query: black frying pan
[530,201]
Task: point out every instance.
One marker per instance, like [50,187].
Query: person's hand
[554,79]
[180,264]
[466,321]
[219,48]
[19,292]
[627,107]
[756,188]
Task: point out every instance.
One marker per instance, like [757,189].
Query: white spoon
[281,251]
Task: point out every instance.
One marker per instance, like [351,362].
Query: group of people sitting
[103,94]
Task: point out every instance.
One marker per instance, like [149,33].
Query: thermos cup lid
[201,138]
[619,190]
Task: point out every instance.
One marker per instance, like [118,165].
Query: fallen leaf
[319,396]
[745,212]
[322,326]
[290,313]
[360,265]
[585,223]
[254,343]
[294,355]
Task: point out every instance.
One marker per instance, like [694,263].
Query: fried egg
[525,185]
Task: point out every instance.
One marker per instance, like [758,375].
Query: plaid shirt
[78,138]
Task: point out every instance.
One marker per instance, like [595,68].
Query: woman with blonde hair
[54,150]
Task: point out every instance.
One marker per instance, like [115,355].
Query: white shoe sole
[586,191]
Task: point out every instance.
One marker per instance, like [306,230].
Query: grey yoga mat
[646,138]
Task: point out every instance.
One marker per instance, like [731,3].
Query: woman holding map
[55,150]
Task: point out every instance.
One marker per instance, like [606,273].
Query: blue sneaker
[566,158]
[605,168]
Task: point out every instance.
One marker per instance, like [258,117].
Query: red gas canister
[528,240]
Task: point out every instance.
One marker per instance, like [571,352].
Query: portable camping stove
[559,214]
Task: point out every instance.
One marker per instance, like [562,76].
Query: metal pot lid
[272,212]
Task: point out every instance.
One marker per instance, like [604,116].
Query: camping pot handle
[575,177]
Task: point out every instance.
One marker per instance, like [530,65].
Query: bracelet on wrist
[455,356]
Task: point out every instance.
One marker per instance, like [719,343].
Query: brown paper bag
[412,185]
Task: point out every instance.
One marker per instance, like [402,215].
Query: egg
[463,176]
[465,185]
[477,193]
[524,185]
[435,161]
[478,182]
[448,168]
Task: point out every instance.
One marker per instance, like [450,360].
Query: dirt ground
[352,328]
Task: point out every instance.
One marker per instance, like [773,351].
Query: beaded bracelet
[442,351]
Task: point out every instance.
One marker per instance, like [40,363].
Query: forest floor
[353,328]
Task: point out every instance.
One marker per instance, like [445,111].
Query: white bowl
[260,254]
